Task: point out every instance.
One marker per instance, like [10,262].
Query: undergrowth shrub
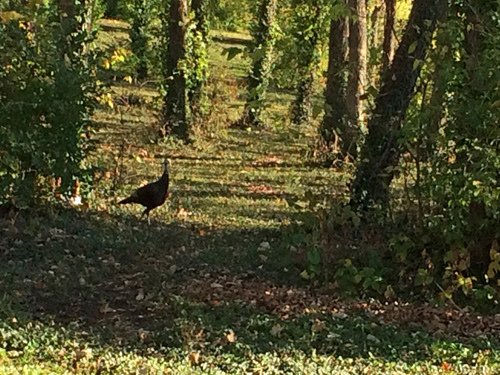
[47,94]
[388,257]
[439,237]
[229,15]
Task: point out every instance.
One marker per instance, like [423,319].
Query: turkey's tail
[127,200]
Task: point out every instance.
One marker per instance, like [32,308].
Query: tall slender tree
[388,44]
[358,51]
[308,23]
[262,57]
[381,151]
[67,16]
[199,8]
[334,128]
[479,26]
[111,9]
[141,14]
[174,108]
[200,42]
[442,58]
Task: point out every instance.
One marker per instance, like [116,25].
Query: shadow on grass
[115,281]
[232,40]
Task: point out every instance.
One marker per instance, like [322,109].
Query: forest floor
[213,284]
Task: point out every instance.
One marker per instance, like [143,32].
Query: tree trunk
[200,72]
[70,24]
[67,16]
[482,228]
[442,60]
[174,109]
[388,44]
[199,8]
[66,8]
[111,9]
[138,36]
[258,80]
[373,32]
[302,106]
[334,129]
[357,72]
[380,153]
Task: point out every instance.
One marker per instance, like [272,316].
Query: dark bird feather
[152,195]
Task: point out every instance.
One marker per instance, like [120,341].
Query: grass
[211,286]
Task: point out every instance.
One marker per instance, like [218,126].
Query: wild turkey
[151,195]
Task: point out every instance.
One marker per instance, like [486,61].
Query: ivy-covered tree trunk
[200,42]
[442,59]
[483,228]
[375,15]
[67,16]
[334,128]
[388,43]
[174,109]
[308,39]
[381,151]
[358,45]
[262,57]
[111,9]
[199,8]
[139,35]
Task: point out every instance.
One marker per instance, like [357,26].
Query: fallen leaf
[264,245]
[305,275]
[446,366]
[182,213]
[276,329]
[172,269]
[194,358]
[261,189]
[231,336]
[143,335]
[106,309]
[318,326]
[140,295]
[142,152]
[373,339]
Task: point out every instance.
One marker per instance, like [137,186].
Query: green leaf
[417,63]
[412,47]
[313,257]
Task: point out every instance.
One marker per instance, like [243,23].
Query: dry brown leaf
[261,189]
[318,326]
[445,366]
[194,358]
[140,295]
[288,302]
[143,152]
[104,309]
[276,330]
[231,336]
[182,213]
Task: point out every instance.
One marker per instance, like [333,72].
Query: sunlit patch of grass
[112,33]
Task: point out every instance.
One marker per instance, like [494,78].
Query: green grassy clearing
[95,290]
